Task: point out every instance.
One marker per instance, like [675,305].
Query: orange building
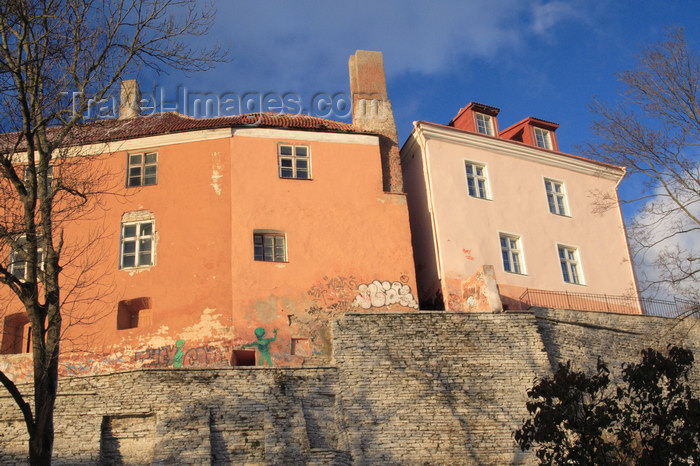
[232,240]
[512,201]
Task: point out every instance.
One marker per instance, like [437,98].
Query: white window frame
[133,181]
[260,246]
[49,176]
[479,183]
[487,122]
[571,269]
[16,259]
[138,238]
[543,138]
[556,200]
[512,257]
[290,165]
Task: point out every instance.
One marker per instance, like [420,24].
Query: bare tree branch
[55,56]
[655,132]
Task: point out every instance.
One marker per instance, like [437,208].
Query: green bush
[651,419]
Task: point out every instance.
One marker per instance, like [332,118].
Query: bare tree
[55,55]
[655,133]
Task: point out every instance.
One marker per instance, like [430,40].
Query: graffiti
[285,358]
[155,357]
[177,359]
[92,366]
[379,294]
[468,254]
[263,345]
[333,290]
[201,356]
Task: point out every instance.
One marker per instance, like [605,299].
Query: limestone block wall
[437,387]
[404,388]
[617,338]
[189,416]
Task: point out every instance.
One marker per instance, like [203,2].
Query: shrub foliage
[651,418]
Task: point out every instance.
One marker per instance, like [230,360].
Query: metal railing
[609,303]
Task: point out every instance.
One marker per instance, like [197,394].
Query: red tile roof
[564,154]
[173,122]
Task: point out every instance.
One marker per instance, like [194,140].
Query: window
[134,313]
[294,162]
[17,334]
[484,124]
[270,247]
[137,244]
[512,255]
[476,180]
[543,139]
[143,169]
[243,358]
[49,176]
[570,265]
[555,197]
[18,266]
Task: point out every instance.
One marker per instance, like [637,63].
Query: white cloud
[656,248]
[307,44]
[547,15]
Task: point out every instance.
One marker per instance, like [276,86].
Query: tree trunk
[45,388]
[41,439]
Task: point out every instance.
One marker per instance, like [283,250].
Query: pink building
[509,199]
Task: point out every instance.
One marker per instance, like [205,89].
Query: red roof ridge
[565,154]
[107,130]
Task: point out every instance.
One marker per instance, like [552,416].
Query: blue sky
[546,59]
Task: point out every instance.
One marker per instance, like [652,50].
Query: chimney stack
[129,101]
[371,112]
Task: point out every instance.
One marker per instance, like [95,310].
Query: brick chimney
[129,100]
[371,112]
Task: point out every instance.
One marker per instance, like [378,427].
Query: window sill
[133,270]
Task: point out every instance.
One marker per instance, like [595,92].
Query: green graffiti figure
[177,359]
[263,345]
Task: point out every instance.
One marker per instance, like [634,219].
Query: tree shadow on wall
[110,453]
[616,338]
[455,395]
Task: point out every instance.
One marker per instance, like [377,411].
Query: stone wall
[582,337]
[409,388]
[437,387]
[191,416]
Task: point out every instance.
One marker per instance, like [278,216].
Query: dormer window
[477,118]
[484,124]
[533,132]
[543,139]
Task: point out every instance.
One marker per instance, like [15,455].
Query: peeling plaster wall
[404,388]
[336,260]
[478,293]
[207,296]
